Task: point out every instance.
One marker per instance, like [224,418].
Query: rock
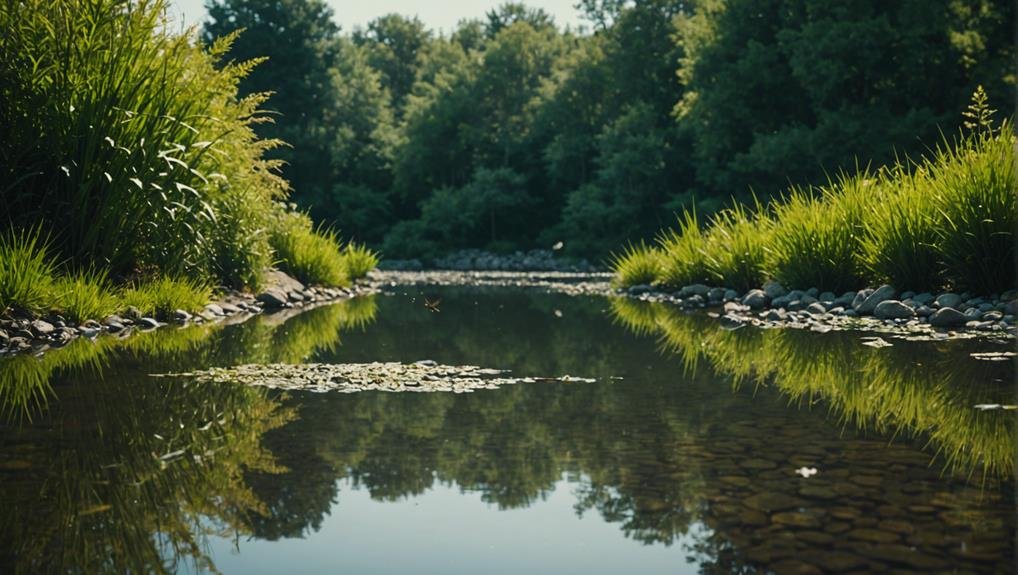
[639,289]
[973,314]
[716,295]
[1011,307]
[773,290]
[907,295]
[925,298]
[776,315]
[782,301]
[755,299]
[694,289]
[283,282]
[770,502]
[860,297]
[924,311]
[985,307]
[114,326]
[132,313]
[735,307]
[295,296]
[892,309]
[180,315]
[816,308]
[948,317]
[148,323]
[3,336]
[993,316]
[948,300]
[42,328]
[216,309]
[827,297]
[228,308]
[273,298]
[731,294]
[881,294]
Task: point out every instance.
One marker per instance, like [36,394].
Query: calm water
[682,458]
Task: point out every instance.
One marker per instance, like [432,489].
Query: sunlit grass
[684,253]
[85,295]
[26,271]
[358,260]
[164,295]
[737,247]
[313,257]
[636,264]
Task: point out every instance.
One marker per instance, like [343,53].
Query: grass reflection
[912,389]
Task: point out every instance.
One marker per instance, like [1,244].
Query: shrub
[358,260]
[26,271]
[684,255]
[636,264]
[313,257]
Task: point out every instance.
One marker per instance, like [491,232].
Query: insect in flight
[432,305]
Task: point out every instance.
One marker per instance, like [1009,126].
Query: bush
[130,141]
[26,271]
[86,295]
[358,260]
[313,257]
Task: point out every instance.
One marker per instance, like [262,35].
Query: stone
[639,289]
[181,315]
[812,292]
[924,311]
[776,315]
[881,294]
[860,297]
[734,307]
[229,308]
[275,298]
[948,317]
[716,295]
[694,289]
[893,309]
[948,300]
[1011,307]
[215,309]
[283,282]
[845,299]
[781,301]
[907,295]
[755,299]
[771,502]
[873,535]
[973,314]
[774,289]
[295,296]
[148,323]
[993,316]
[827,296]
[816,308]
[42,328]
[114,326]
[925,298]
[731,294]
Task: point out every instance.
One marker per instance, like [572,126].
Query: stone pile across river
[422,376]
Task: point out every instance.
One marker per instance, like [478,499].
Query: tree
[394,44]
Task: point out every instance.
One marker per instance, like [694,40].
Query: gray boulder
[716,295]
[147,323]
[827,297]
[925,298]
[275,298]
[881,294]
[773,290]
[755,299]
[860,297]
[731,294]
[816,308]
[948,300]
[181,315]
[42,328]
[845,299]
[694,289]
[893,309]
[948,317]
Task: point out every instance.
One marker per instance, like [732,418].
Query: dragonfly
[432,305]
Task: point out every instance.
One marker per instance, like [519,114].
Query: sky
[436,14]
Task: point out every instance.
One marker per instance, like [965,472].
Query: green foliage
[636,264]
[684,253]
[358,260]
[313,257]
[974,190]
[26,271]
[815,238]
[161,296]
[737,247]
[85,295]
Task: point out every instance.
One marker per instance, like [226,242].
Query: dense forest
[512,133]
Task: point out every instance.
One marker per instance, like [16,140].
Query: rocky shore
[479,260]
[877,309]
[35,334]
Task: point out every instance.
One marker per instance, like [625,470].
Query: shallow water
[687,455]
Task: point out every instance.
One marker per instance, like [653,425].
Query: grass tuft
[313,257]
[358,260]
[26,271]
[737,247]
[163,295]
[684,253]
[86,295]
[636,264]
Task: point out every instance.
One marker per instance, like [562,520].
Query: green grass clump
[86,295]
[358,260]
[313,257]
[163,295]
[684,253]
[26,271]
[636,264]
[815,241]
[737,247]
[973,189]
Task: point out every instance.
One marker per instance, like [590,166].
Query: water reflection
[699,454]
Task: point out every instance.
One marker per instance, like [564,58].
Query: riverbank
[23,332]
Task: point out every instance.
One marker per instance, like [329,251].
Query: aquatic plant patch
[422,376]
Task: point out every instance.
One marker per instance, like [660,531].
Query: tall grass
[26,271]
[684,254]
[947,221]
[132,139]
[311,256]
[164,295]
[636,264]
[358,260]
[85,295]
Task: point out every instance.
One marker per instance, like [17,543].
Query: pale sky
[436,14]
